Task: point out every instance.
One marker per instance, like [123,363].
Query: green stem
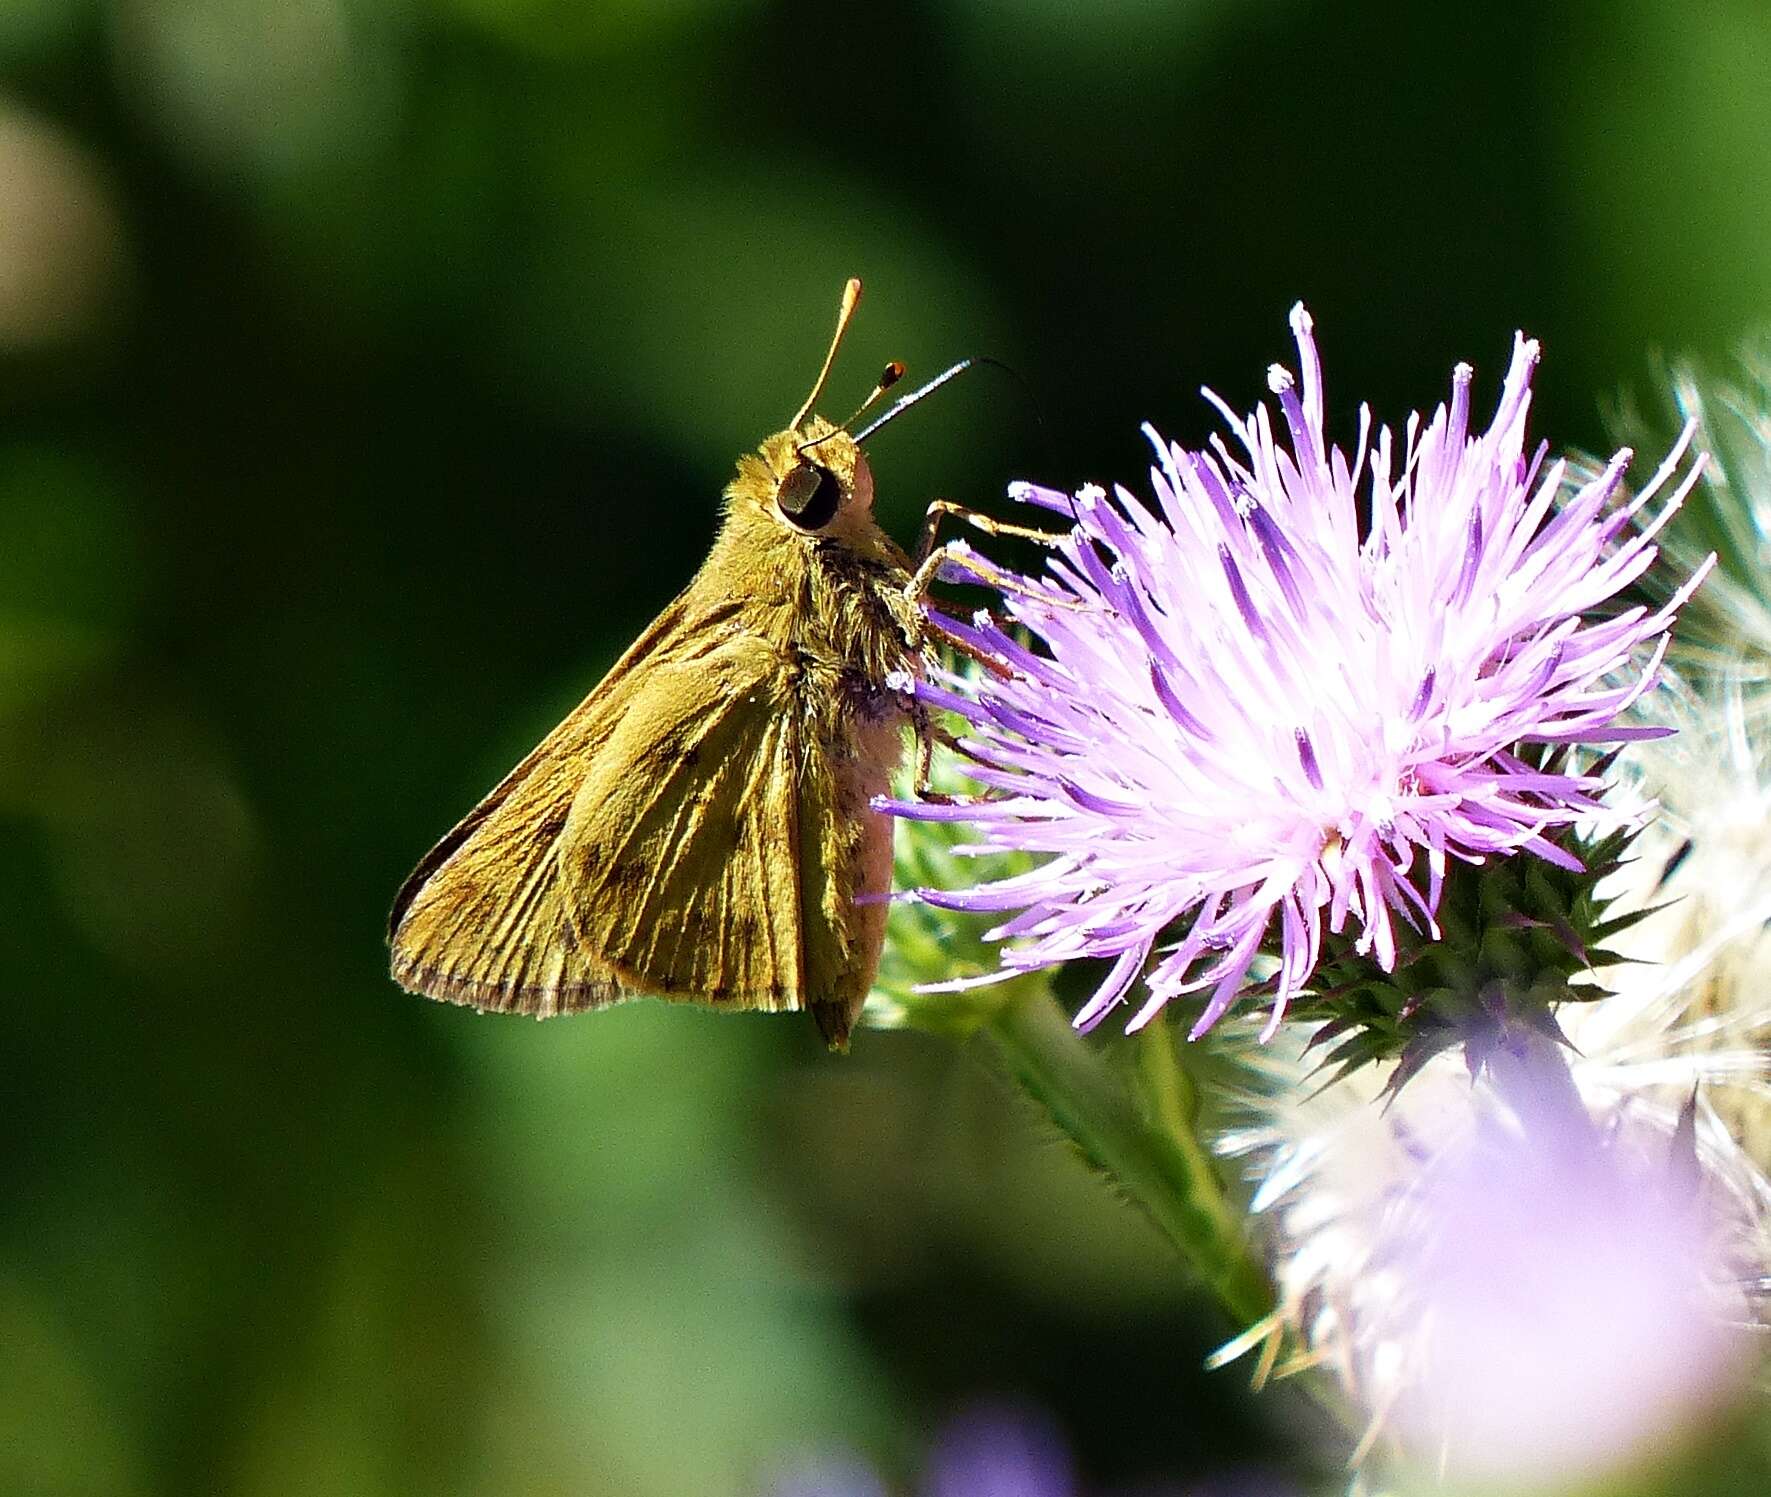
[1153,1154]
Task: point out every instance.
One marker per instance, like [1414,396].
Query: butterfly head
[811,480]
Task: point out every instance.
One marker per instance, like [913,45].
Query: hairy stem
[1149,1149]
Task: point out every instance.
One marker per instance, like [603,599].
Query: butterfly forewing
[682,852]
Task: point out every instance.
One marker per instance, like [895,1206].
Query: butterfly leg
[928,733]
[922,726]
[935,626]
[1003,620]
[961,556]
[931,524]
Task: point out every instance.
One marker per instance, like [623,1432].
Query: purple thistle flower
[1266,702]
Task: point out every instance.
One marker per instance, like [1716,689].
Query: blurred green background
[370,373]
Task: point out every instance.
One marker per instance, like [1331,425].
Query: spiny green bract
[1515,934]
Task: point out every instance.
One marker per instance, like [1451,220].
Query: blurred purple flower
[997,1450]
[1266,701]
[1567,1301]
[991,1450]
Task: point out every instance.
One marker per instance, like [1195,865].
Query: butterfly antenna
[904,402]
[894,372]
[851,297]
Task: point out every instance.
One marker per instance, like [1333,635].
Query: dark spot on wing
[627,875]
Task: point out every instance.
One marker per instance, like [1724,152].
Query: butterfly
[701,828]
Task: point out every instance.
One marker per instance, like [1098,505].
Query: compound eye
[809,496]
